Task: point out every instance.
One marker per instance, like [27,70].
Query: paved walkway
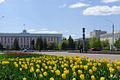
[92,56]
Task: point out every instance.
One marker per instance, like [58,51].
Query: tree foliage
[71,44]
[105,44]
[117,43]
[1,46]
[16,44]
[39,44]
[95,43]
[64,44]
[32,44]
[51,46]
[45,44]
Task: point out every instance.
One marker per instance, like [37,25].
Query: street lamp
[112,46]
[84,43]
[2,17]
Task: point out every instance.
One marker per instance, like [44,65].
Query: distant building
[81,39]
[97,33]
[109,37]
[24,38]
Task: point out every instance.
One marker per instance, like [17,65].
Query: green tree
[95,43]
[51,46]
[78,44]
[117,43]
[1,46]
[45,44]
[71,44]
[16,45]
[39,44]
[64,44]
[32,44]
[105,44]
[56,45]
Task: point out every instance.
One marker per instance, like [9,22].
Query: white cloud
[78,5]
[31,30]
[110,1]
[74,36]
[44,30]
[63,6]
[102,10]
[50,32]
[1,1]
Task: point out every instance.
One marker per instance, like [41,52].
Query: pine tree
[117,43]
[95,43]
[32,44]
[71,44]
[16,45]
[1,46]
[39,44]
[45,44]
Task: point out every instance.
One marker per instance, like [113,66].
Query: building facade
[109,37]
[24,38]
[97,33]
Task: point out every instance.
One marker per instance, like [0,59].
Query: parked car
[25,50]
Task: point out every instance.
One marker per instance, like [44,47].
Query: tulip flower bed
[46,67]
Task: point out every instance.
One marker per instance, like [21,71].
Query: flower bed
[58,68]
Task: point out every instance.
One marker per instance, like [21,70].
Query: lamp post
[113,27]
[2,17]
[84,44]
[0,42]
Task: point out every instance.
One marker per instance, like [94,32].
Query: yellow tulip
[52,71]
[74,73]
[20,69]
[51,78]
[32,69]
[82,76]
[93,77]
[57,72]
[5,62]
[90,71]
[40,75]
[74,79]
[24,78]
[45,73]
[64,76]
[46,67]
[66,71]
[38,66]
[81,66]
[102,78]
[37,70]
[111,69]
[118,68]
[85,67]
[42,70]
[79,72]
[94,68]
[50,67]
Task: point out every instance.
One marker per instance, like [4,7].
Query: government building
[97,33]
[24,38]
[109,37]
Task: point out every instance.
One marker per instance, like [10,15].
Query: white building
[97,33]
[109,37]
[24,38]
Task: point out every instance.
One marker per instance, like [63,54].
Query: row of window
[22,40]
[22,46]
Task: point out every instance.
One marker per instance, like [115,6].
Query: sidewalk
[92,56]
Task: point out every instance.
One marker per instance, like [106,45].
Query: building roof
[24,33]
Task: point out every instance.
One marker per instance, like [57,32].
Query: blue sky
[59,16]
